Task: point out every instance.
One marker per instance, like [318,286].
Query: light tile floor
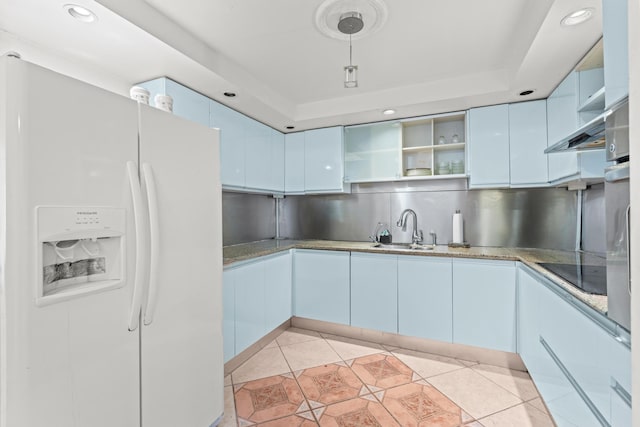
[304,378]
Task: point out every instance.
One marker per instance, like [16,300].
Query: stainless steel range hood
[588,137]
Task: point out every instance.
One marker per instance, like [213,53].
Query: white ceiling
[428,57]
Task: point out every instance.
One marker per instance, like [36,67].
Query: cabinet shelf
[369,152]
[442,147]
[594,103]
[417,149]
[430,177]
[446,147]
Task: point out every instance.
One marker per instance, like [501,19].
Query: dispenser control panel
[88,218]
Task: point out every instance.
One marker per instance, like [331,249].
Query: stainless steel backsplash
[593,220]
[535,218]
[247,218]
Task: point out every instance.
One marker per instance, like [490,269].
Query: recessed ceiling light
[388,111]
[577,17]
[291,127]
[80,13]
[230,94]
[526,92]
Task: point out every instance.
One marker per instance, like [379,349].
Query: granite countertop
[530,257]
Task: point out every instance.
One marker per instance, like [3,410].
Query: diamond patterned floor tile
[313,387]
[421,405]
[329,384]
[268,399]
[382,371]
[357,413]
[290,421]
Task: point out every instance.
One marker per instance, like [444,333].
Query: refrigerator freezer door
[182,367]
[72,363]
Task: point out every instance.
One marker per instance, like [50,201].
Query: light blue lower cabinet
[256,298]
[228,314]
[582,371]
[277,270]
[620,383]
[321,285]
[425,297]
[374,291]
[620,404]
[583,348]
[566,405]
[562,399]
[484,303]
[250,306]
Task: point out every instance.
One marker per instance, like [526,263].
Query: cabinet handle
[621,392]
[628,215]
[574,384]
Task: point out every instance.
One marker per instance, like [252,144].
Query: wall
[537,218]
[247,218]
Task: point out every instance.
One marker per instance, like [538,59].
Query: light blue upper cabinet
[616,47]
[277,302]
[484,303]
[374,292]
[228,314]
[425,297]
[264,158]
[251,153]
[565,114]
[372,152]
[527,142]
[323,161]
[294,163]
[232,127]
[489,147]
[321,285]
[187,103]
[590,94]
[257,155]
[562,120]
[276,159]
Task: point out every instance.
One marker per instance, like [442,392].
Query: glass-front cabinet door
[372,152]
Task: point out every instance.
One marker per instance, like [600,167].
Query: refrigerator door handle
[154,226]
[628,215]
[139,220]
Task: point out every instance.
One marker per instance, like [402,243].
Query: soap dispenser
[381,233]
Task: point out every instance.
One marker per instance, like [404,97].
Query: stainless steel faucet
[416,237]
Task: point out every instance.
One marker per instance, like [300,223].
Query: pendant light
[350,23]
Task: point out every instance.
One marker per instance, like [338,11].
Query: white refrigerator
[110,259]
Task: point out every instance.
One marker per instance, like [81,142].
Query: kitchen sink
[403,246]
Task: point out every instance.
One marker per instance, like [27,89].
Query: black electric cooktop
[588,278]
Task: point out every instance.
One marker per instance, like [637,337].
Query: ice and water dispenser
[80,251]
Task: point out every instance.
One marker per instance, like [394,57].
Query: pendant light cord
[350,51]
